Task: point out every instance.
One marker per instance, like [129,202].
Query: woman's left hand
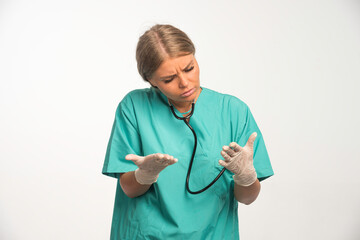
[239,160]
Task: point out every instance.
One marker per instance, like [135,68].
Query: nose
[183,81]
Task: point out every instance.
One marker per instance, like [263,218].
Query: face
[178,79]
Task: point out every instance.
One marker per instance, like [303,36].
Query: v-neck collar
[197,103]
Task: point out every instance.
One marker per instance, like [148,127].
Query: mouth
[188,93]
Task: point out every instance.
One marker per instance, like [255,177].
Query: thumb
[251,140]
[132,157]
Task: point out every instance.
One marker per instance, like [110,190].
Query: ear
[152,83]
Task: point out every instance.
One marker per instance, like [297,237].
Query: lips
[188,93]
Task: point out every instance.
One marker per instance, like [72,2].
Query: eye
[169,80]
[189,69]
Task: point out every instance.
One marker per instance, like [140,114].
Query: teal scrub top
[144,124]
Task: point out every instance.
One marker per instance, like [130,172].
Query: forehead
[170,65]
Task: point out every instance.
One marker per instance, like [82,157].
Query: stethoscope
[194,150]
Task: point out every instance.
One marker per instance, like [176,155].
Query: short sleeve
[124,139]
[246,126]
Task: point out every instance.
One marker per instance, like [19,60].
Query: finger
[159,156]
[225,156]
[236,147]
[222,163]
[164,159]
[154,156]
[251,140]
[229,151]
[172,161]
[168,157]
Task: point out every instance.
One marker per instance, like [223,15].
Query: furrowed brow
[167,77]
[174,75]
[187,66]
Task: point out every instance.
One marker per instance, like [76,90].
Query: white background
[65,65]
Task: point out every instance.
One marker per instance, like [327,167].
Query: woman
[150,150]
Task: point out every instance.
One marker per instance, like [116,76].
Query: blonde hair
[157,44]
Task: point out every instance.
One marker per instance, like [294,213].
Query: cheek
[195,75]
[168,89]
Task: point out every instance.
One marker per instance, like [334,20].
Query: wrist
[246,178]
[144,177]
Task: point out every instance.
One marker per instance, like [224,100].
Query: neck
[184,106]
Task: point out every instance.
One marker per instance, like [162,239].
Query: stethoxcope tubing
[194,150]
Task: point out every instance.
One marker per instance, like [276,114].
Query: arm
[138,182]
[247,195]
[130,186]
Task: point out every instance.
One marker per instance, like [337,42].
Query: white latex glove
[150,166]
[239,160]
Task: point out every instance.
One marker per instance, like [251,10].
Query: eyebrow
[170,76]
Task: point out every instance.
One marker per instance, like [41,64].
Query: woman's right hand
[150,166]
